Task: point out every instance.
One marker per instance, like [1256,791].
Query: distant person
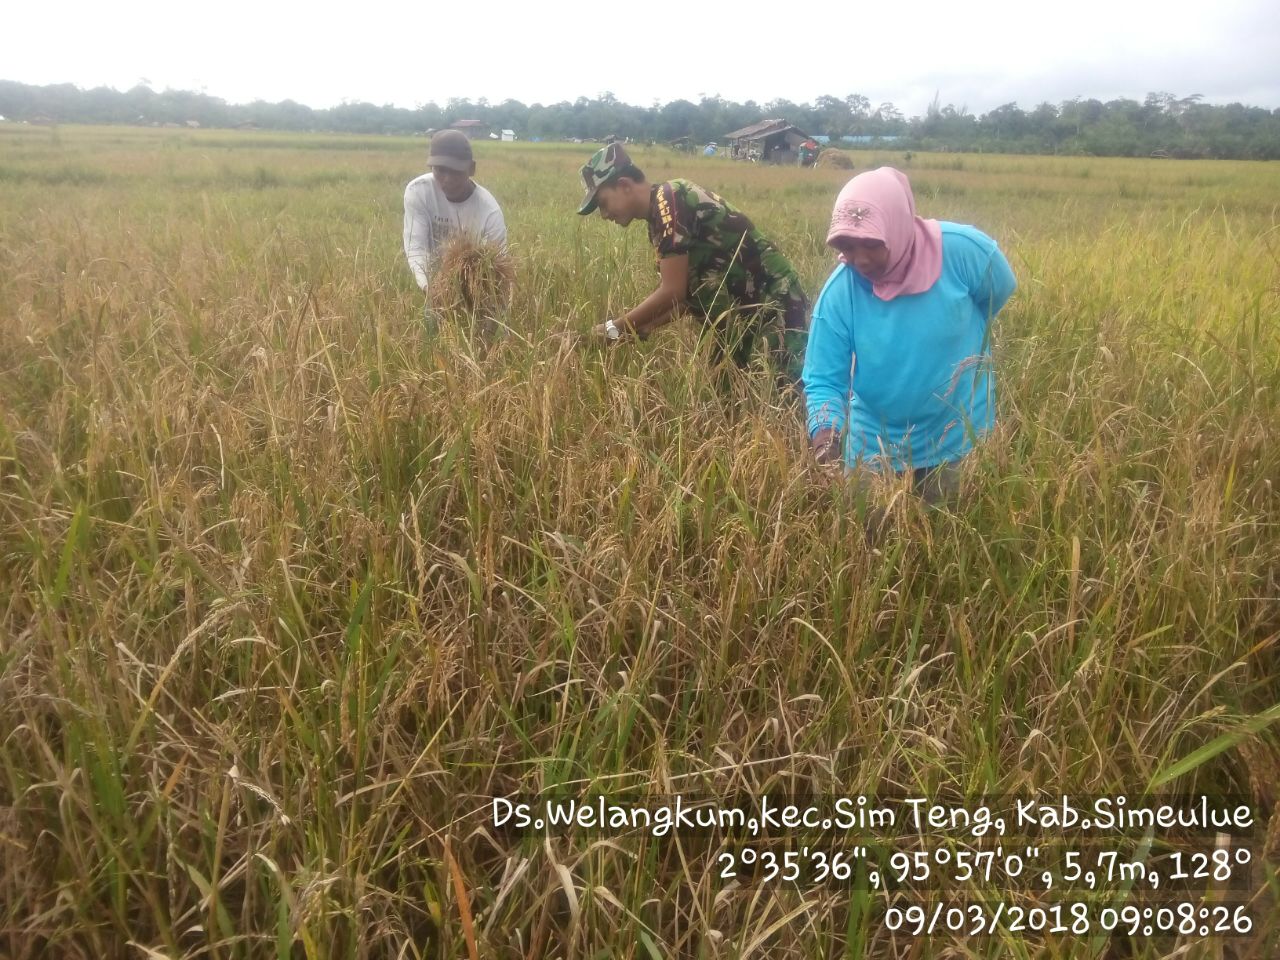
[911,303]
[709,150]
[712,261]
[445,202]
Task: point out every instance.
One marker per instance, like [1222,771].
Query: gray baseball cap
[452,149]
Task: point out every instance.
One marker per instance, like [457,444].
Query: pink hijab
[878,205]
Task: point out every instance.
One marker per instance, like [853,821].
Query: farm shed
[771,141]
[474,129]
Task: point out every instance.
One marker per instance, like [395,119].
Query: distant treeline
[1160,124]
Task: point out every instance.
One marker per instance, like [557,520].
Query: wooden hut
[474,129]
[769,141]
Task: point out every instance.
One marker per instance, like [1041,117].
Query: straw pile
[834,160]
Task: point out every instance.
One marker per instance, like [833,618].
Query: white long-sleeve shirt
[430,219]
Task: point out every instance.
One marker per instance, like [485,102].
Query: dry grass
[292,585]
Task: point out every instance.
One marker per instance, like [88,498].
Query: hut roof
[765,128]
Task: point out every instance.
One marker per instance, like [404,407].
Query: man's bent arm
[658,309]
[417,237]
[495,229]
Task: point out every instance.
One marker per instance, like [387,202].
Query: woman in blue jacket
[899,354]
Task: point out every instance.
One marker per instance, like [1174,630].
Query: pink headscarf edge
[919,266]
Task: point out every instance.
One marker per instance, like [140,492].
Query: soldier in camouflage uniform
[712,260]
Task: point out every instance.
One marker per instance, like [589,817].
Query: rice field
[293,585]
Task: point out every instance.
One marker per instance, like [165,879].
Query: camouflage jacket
[731,263]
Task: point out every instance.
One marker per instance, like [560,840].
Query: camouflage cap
[605,165]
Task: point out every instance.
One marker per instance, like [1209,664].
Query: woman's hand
[826,446]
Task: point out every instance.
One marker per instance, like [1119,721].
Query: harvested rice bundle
[470,278]
[834,160]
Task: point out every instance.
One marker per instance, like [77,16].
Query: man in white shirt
[447,201]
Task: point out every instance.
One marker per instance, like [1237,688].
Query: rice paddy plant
[292,584]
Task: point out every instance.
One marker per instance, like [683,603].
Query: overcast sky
[978,55]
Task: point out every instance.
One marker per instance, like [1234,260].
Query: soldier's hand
[579,340]
[567,340]
[611,332]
